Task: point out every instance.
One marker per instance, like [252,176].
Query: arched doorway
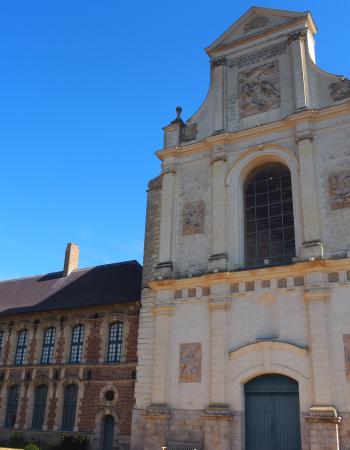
[108,433]
[272,418]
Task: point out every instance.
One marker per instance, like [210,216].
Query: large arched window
[69,407]
[48,346]
[115,341]
[269,220]
[21,349]
[39,407]
[12,406]
[76,349]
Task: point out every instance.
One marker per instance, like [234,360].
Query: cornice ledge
[268,345]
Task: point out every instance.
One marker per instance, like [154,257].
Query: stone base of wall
[151,431]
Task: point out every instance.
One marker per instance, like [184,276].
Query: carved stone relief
[340,90]
[190,363]
[188,132]
[193,218]
[346,339]
[257,56]
[339,190]
[255,23]
[259,89]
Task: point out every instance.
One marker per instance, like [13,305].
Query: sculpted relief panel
[339,190]
[259,89]
[193,218]
[190,363]
[255,23]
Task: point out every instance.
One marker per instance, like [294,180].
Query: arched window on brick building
[69,407]
[12,406]
[40,397]
[269,218]
[115,342]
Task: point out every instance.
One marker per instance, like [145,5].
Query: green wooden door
[108,433]
[272,418]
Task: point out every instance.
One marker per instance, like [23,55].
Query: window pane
[115,341]
[39,407]
[48,346]
[77,344]
[269,221]
[12,406]
[21,350]
[69,407]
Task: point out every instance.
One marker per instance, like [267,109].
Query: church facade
[244,337]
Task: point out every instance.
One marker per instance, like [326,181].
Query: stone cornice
[310,115]
[291,270]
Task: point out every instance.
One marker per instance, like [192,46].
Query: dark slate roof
[100,285]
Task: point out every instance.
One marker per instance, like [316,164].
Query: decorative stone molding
[323,414]
[164,310]
[218,62]
[340,90]
[255,23]
[268,345]
[301,34]
[189,132]
[304,135]
[317,295]
[257,56]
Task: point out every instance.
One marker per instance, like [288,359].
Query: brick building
[68,353]
[244,338]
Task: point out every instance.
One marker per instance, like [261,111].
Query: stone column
[312,246]
[165,265]
[299,65]
[218,258]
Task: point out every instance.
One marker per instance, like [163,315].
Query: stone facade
[268,103]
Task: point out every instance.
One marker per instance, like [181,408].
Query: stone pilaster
[317,299]
[219,68]
[297,42]
[156,428]
[218,259]
[164,267]
[312,246]
[218,352]
[323,426]
[163,316]
[217,429]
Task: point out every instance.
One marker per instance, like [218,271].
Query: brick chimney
[71,259]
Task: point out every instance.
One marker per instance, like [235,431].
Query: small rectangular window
[115,341]
[48,346]
[21,350]
[76,350]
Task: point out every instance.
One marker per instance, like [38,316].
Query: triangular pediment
[257,21]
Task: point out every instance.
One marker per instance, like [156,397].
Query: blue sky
[86,87]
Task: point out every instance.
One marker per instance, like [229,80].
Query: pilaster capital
[297,35]
[316,295]
[217,305]
[306,135]
[166,309]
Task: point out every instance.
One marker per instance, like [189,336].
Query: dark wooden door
[108,433]
[272,418]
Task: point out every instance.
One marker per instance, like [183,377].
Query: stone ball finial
[178,112]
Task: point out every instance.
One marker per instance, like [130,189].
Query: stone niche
[339,190]
[193,218]
[190,363]
[259,89]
